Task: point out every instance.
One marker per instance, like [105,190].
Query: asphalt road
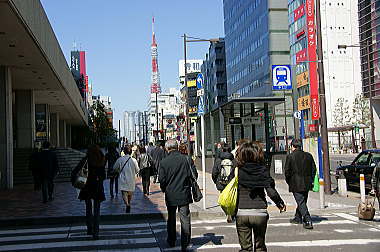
[334,231]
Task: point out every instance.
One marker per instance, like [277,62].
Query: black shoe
[95,237]
[308,225]
[44,201]
[112,196]
[295,221]
[50,198]
[128,209]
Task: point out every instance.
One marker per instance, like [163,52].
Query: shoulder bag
[195,190]
[81,177]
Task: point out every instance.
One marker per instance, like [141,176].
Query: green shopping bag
[228,198]
[316,183]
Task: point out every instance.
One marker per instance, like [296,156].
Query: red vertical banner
[299,12]
[312,52]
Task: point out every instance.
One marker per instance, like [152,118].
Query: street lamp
[185,40]
[370,88]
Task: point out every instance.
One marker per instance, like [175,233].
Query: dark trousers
[92,216]
[184,217]
[114,181]
[145,175]
[47,186]
[245,225]
[302,213]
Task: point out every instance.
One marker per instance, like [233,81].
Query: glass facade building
[256,36]
[369,28]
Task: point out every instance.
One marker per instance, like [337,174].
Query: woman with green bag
[251,209]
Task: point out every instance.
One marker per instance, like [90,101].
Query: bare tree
[341,113]
[360,111]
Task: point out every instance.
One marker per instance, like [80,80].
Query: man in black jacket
[48,165]
[175,182]
[299,173]
[157,154]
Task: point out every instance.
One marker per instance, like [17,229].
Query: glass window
[363,159]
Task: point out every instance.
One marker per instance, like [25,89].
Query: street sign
[297,115]
[201,106]
[235,120]
[200,81]
[281,77]
[200,92]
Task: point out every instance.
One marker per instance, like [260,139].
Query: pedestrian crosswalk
[337,231]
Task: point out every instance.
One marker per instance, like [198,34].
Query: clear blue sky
[116,36]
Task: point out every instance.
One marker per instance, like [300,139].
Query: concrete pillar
[54,129]
[25,119]
[68,135]
[6,131]
[62,133]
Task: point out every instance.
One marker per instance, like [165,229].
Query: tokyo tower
[155,87]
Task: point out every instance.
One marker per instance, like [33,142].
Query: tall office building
[339,26]
[369,23]
[256,37]
[134,126]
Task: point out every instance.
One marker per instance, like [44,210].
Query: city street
[333,231]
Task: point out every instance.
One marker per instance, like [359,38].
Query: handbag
[228,198]
[366,210]
[195,190]
[81,177]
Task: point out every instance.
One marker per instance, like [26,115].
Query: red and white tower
[155,87]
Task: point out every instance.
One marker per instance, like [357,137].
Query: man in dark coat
[48,166]
[299,173]
[157,154]
[175,181]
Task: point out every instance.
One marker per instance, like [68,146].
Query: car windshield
[362,159]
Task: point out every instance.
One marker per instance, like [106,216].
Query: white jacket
[127,177]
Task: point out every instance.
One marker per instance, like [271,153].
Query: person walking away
[111,157]
[48,166]
[158,154]
[223,165]
[375,182]
[175,181]
[218,149]
[253,181]
[145,165]
[300,171]
[93,191]
[150,149]
[128,167]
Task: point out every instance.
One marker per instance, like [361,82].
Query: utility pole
[187,94]
[286,124]
[162,123]
[322,100]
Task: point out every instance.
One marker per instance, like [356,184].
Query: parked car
[364,163]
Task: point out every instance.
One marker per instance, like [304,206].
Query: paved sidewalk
[23,202]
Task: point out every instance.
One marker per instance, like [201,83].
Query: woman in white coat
[128,167]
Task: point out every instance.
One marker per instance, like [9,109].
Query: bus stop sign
[281,77]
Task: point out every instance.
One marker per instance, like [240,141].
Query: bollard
[362,188]
[342,187]
[321,194]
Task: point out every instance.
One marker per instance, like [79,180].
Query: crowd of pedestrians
[170,165]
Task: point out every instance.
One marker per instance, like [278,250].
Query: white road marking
[347,216]
[33,237]
[344,231]
[328,222]
[69,244]
[313,243]
[66,229]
